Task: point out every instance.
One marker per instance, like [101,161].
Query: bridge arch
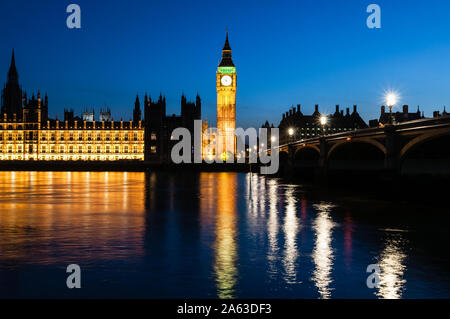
[357,155]
[427,154]
[420,140]
[373,142]
[306,158]
[283,148]
[308,152]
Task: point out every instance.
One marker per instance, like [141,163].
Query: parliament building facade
[27,132]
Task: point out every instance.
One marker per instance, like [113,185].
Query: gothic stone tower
[226,100]
[12,94]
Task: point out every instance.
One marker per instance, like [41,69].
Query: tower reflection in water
[323,251]
[220,197]
[392,266]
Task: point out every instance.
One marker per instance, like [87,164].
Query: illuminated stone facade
[26,132]
[82,141]
[226,85]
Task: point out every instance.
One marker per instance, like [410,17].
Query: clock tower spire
[226,54]
[226,101]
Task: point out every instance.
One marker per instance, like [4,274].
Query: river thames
[211,235]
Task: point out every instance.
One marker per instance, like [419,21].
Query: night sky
[286,52]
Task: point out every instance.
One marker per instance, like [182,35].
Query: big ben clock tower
[226,100]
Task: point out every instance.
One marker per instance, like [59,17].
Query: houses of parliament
[28,133]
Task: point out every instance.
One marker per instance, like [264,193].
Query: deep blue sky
[286,52]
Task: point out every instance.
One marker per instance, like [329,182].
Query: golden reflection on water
[223,191]
[392,267]
[323,251]
[46,217]
[207,205]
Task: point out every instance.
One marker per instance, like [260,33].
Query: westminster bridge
[414,147]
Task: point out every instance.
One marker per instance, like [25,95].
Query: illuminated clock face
[226,80]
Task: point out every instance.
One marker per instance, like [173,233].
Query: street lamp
[291,133]
[391,100]
[272,140]
[323,122]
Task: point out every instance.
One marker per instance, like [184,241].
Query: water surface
[209,235]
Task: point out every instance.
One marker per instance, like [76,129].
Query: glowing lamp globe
[391,99]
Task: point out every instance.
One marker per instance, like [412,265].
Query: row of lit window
[72,157]
[319,129]
[325,129]
[10,137]
[63,127]
[71,149]
[72,137]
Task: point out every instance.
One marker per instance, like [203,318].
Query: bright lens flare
[291,131]
[391,98]
[323,120]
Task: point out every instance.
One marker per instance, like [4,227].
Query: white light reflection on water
[323,251]
[392,266]
[291,228]
[272,227]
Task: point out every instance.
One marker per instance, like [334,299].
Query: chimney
[284,116]
[287,114]
[347,111]
[342,112]
[383,109]
[405,109]
[298,108]
[355,109]
[337,108]
[317,108]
